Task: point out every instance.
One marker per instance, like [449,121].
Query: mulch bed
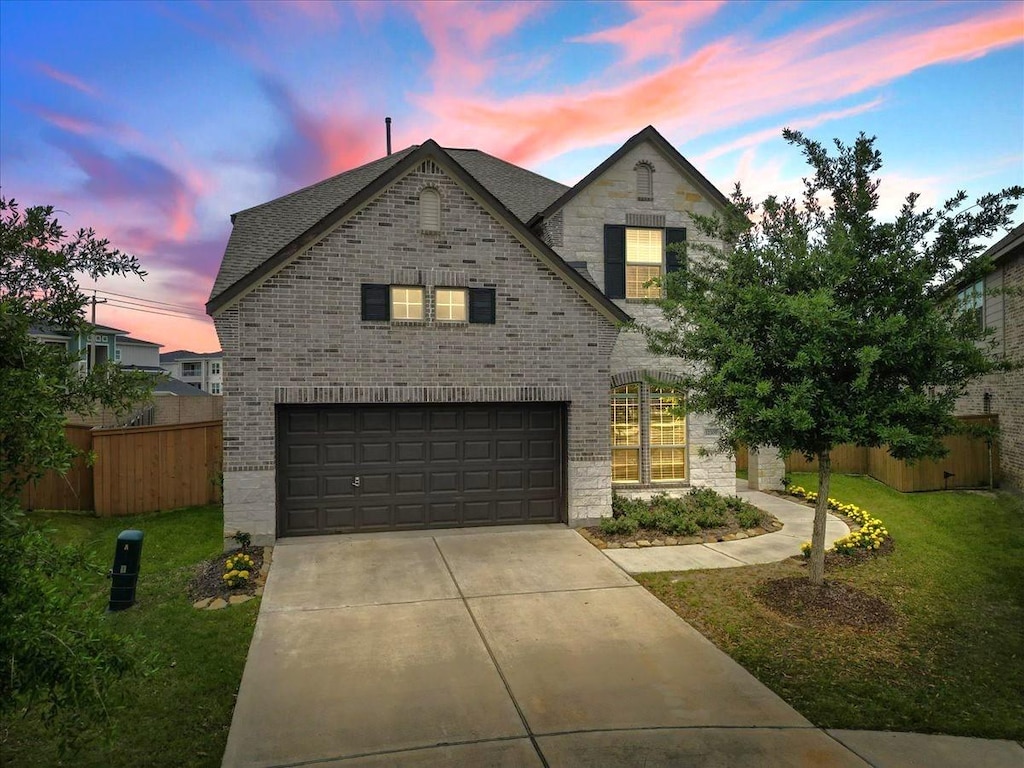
[209,578]
[828,605]
[711,535]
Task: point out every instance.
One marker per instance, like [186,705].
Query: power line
[161,309]
[148,301]
[156,312]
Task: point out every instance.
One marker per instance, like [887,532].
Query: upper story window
[644,251]
[644,181]
[451,304]
[972,299]
[430,210]
[191,369]
[406,302]
[117,355]
[215,388]
[215,368]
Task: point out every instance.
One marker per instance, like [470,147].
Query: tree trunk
[820,518]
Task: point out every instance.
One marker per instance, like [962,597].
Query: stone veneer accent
[765,468]
[576,232]
[298,337]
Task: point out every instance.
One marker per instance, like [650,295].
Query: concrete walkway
[797,521]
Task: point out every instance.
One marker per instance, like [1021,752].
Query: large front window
[644,250]
[451,304]
[626,434]
[648,435]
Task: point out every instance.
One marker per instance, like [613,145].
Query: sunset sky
[152,122]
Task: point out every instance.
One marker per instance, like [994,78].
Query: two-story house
[998,302]
[438,338]
[203,370]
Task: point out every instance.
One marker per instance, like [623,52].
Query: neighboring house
[99,346]
[203,370]
[137,353]
[435,339]
[998,300]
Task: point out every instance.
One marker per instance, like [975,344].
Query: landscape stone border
[217,603]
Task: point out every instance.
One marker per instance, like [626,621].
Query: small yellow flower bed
[871,534]
[237,570]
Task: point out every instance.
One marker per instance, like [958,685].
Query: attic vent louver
[429,166]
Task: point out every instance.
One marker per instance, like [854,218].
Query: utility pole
[92,333]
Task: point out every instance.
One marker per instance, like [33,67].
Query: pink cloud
[66,79]
[462,34]
[657,29]
[726,83]
[768,134]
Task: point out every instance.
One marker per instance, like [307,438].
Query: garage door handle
[355,483]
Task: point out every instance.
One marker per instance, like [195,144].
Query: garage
[349,468]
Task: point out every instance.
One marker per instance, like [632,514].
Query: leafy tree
[818,324]
[55,650]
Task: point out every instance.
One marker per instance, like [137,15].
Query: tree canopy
[818,324]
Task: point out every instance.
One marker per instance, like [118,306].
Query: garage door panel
[424,466]
[335,453]
[476,450]
[340,518]
[410,482]
[375,453]
[411,451]
[444,450]
[445,513]
[477,512]
[339,422]
[339,486]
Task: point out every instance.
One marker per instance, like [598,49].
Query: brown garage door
[401,467]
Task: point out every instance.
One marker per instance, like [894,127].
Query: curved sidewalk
[797,521]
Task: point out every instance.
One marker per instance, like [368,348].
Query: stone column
[765,468]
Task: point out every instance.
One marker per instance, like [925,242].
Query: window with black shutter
[481,305]
[376,301]
[674,261]
[615,261]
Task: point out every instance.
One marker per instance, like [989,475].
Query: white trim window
[972,300]
[626,434]
[648,435]
[451,305]
[215,367]
[215,388]
[645,251]
[406,302]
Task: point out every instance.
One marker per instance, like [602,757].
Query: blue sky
[153,122]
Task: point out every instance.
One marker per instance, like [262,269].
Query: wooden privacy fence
[140,469]
[967,465]
[71,491]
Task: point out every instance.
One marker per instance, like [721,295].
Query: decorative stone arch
[644,180]
[643,376]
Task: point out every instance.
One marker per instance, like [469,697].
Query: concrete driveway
[509,647]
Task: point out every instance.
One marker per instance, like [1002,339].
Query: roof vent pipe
[387,130]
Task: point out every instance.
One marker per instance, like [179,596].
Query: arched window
[430,210]
[644,181]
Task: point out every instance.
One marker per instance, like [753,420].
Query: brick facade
[1004,311]
[298,337]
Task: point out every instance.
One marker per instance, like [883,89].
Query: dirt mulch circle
[209,578]
[723,533]
[834,603]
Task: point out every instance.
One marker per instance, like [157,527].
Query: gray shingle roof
[262,231]
[172,386]
[184,354]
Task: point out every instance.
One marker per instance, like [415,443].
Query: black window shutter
[615,261]
[376,302]
[481,305]
[674,261]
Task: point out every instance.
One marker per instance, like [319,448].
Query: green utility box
[125,573]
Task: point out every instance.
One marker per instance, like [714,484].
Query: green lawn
[954,660]
[179,715]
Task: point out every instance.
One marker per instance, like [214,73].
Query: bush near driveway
[179,714]
[952,661]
